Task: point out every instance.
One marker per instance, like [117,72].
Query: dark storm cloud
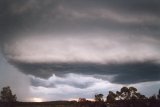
[51,15]
[125,73]
[27,17]
[22,16]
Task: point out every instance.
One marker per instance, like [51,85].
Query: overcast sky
[66,49]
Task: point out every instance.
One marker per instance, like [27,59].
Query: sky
[66,49]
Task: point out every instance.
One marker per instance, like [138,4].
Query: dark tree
[99,97]
[131,93]
[158,96]
[111,97]
[7,96]
[140,96]
[82,100]
[153,97]
[125,94]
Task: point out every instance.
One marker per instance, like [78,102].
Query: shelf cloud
[53,42]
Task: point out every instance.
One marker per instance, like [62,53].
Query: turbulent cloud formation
[127,59]
[64,88]
[126,73]
[57,42]
[94,47]
[79,81]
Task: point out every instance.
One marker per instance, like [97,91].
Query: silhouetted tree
[132,90]
[99,97]
[82,100]
[125,93]
[131,93]
[118,95]
[111,97]
[140,96]
[153,97]
[158,96]
[6,95]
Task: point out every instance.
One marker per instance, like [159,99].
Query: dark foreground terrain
[138,103]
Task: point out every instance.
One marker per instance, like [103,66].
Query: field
[138,103]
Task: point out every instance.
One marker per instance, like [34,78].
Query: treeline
[125,94]
[125,97]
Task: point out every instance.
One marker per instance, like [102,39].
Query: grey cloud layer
[127,73]
[62,16]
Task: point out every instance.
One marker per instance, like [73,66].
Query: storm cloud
[126,60]
[40,16]
[57,42]
[124,73]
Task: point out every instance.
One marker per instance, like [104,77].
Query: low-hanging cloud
[73,80]
[103,47]
[127,73]
[117,55]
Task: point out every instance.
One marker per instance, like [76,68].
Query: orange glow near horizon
[37,100]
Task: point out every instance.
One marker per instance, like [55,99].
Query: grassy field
[138,103]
